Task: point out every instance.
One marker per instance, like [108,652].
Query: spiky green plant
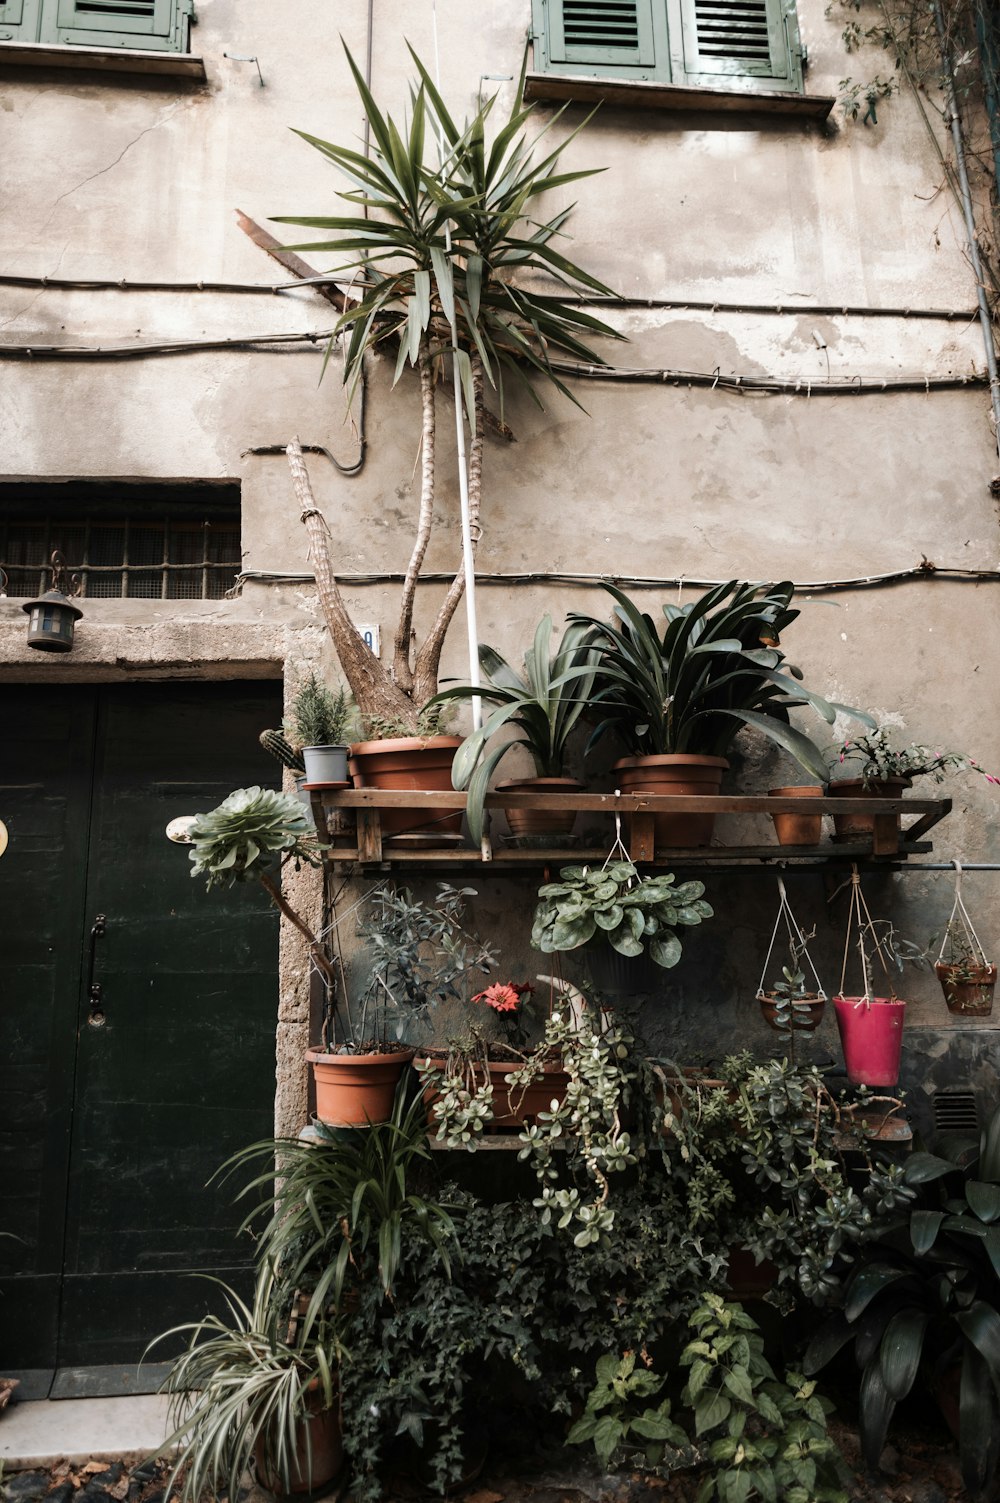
[322,716]
[444,255]
[279,746]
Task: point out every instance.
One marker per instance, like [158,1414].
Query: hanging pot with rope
[789,1007]
[871,1028]
[967,978]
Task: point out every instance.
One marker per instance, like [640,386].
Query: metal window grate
[162,558]
[955,1111]
[606,23]
[733,30]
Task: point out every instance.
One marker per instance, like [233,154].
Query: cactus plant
[278,744]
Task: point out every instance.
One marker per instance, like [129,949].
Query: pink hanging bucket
[871,1036]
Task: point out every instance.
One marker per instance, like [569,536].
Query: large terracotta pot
[699,776]
[851,826]
[968,989]
[356,1090]
[798,829]
[537,824]
[871,1035]
[319,1451]
[409,763]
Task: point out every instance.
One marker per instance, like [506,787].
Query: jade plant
[632,913]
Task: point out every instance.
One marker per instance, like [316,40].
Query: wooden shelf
[348,822]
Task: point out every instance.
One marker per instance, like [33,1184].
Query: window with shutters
[150,25]
[732,45]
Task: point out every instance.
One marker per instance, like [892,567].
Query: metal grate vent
[147,558]
[143,9]
[955,1111]
[601,24]
[733,29]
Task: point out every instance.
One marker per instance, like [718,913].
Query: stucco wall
[109,177]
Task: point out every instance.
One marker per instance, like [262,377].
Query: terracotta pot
[535,824]
[972,995]
[410,763]
[806,1015]
[319,1451]
[871,1035]
[356,1090]
[851,826]
[699,776]
[513,1106]
[798,829]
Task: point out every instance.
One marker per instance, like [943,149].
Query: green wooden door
[109,1131]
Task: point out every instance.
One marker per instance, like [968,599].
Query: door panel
[181,1073]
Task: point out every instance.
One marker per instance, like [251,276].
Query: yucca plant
[925,1300]
[716,667]
[245,1386]
[439,244]
[542,705]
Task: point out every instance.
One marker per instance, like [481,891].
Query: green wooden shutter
[20,20]
[602,38]
[741,44]
[159,25]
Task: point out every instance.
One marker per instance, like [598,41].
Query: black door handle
[95,1016]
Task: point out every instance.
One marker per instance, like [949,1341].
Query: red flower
[503,996]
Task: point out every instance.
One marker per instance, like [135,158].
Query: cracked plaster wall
[105,176]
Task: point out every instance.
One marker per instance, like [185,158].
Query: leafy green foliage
[926,1298]
[320,716]
[765,1438]
[442,224]
[613,1418]
[238,840]
[633,913]
[542,706]
[716,667]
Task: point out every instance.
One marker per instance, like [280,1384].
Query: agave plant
[440,245]
[925,1300]
[543,705]
[717,667]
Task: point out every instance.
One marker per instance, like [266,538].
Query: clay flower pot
[871,1035]
[356,1090]
[537,824]
[319,1450]
[968,989]
[700,776]
[853,826]
[513,1105]
[412,763]
[798,829]
[807,1011]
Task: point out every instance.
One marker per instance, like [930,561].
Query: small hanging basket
[967,978]
[788,1009]
[871,1028]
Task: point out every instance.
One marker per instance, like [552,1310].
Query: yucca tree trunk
[377,697]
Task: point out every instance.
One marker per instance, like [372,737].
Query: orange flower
[503,996]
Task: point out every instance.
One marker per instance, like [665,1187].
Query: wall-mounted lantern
[53,617]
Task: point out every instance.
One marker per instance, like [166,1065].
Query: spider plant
[543,705]
[241,1388]
[716,667]
[343,1204]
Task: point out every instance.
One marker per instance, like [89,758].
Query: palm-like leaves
[929,1296]
[716,667]
[542,705]
[443,224]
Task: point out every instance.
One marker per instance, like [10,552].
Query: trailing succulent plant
[633,913]
[238,840]
[279,746]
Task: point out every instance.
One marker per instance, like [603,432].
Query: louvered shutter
[20,20]
[603,38]
[159,25]
[741,44]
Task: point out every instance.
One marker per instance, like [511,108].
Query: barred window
[123,541]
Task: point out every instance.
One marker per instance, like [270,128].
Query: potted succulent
[789,1006]
[922,1305]
[967,978]
[677,700]
[321,722]
[634,914]
[885,770]
[542,705]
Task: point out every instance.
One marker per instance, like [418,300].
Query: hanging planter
[790,1007]
[967,978]
[871,1027]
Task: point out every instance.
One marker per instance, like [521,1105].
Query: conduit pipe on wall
[955,121]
